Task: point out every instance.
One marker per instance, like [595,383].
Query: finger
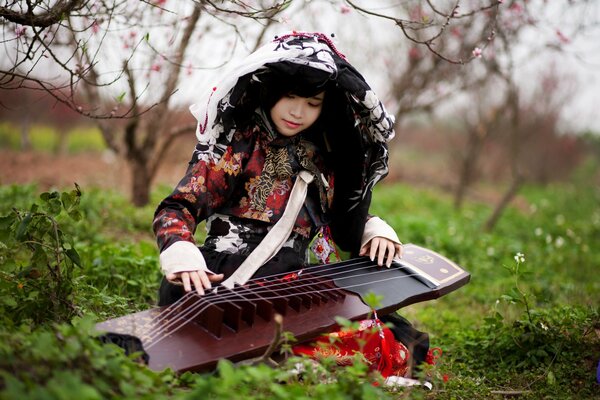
[391,253]
[399,250]
[363,250]
[205,280]
[198,282]
[381,253]
[174,279]
[215,277]
[185,278]
[373,249]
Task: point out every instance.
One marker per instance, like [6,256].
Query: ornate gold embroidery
[277,167]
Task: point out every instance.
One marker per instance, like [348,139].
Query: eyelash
[293,96]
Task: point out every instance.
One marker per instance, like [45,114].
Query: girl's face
[292,114]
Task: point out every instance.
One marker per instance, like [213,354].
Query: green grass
[524,326]
[45,138]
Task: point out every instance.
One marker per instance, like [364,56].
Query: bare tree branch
[54,14]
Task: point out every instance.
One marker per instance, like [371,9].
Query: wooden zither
[194,333]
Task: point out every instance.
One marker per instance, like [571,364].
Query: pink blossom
[477,52]
[500,1]
[20,30]
[345,9]
[561,36]
[414,53]
[516,8]
[95,27]
[416,13]
[155,67]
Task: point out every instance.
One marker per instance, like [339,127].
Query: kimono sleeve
[206,186]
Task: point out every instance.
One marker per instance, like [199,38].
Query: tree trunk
[467,167]
[141,181]
[504,202]
[25,130]
[62,147]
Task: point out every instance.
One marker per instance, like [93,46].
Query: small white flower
[544,327]
[490,251]
[538,231]
[559,242]
[520,257]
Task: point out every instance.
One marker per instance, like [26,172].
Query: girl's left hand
[379,246]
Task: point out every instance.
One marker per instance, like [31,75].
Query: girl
[296,104]
[294,109]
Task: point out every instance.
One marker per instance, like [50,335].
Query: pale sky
[578,61]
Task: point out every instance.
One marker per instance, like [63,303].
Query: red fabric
[373,339]
[433,355]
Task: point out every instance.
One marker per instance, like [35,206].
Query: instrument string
[152,342]
[198,308]
[320,268]
[276,286]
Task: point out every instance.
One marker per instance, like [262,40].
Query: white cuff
[182,256]
[378,227]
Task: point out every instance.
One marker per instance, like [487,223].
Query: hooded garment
[360,139]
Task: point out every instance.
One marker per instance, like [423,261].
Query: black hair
[264,88]
[332,132]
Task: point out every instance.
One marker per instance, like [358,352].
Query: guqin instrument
[237,324]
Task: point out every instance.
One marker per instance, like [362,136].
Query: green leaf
[74,256]
[120,97]
[22,228]
[75,215]
[6,222]
[9,301]
[39,257]
[67,200]
[550,378]
[372,299]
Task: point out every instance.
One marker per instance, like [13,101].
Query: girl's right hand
[200,279]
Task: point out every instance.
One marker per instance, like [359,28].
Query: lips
[290,124]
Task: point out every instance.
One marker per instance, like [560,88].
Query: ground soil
[104,170]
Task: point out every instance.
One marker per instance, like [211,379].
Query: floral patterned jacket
[244,193]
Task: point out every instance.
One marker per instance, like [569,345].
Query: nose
[296,108]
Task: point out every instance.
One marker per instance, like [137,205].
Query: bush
[68,362]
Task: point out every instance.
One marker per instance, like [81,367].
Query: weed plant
[527,324]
